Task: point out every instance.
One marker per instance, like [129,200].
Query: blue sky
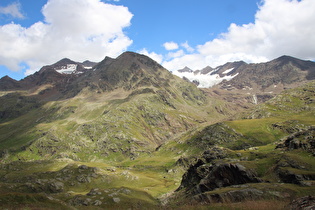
[176,33]
[157,22]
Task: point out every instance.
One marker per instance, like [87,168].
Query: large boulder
[223,175]
[208,174]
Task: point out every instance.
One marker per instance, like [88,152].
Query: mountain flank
[121,107]
[274,76]
[125,133]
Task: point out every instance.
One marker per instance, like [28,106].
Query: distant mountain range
[274,76]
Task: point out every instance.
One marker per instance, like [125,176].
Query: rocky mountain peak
[89,64]
[64,61]
[129,70]
[287,59]
[7,83]
[185,69]
[206,70]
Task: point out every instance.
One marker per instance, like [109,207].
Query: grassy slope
[105,131]
[252,143]
[152,173]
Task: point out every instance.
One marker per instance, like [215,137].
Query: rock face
[223,175]
[217,176]
[206,175]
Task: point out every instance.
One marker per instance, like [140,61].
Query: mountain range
[128,133]
[285,71]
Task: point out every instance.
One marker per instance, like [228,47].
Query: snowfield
[205,80]
[68,69]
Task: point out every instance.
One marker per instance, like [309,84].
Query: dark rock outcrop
[223,175]
[289,176]
[231,196]
[304,139]
[306,203]
[206,174]
[193,175]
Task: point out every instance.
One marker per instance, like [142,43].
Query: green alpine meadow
[126,133]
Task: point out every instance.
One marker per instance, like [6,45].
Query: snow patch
[204,80]
[68,69]
[228,71]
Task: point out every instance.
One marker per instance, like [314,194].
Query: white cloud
[157,57]
[13,10]
[195,61]
[77,29]
[176,54]
[281,27]
[187,47]
[170,45]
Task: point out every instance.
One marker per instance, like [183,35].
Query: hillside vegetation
[148,139]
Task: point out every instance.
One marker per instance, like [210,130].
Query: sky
[175,33]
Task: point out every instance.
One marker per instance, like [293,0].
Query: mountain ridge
[264,75]
[232,79]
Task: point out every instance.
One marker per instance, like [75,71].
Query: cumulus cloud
[194,61]
[175,54]
[170,45]
[77,29]
[13,10]
[281,27]
[187,47]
